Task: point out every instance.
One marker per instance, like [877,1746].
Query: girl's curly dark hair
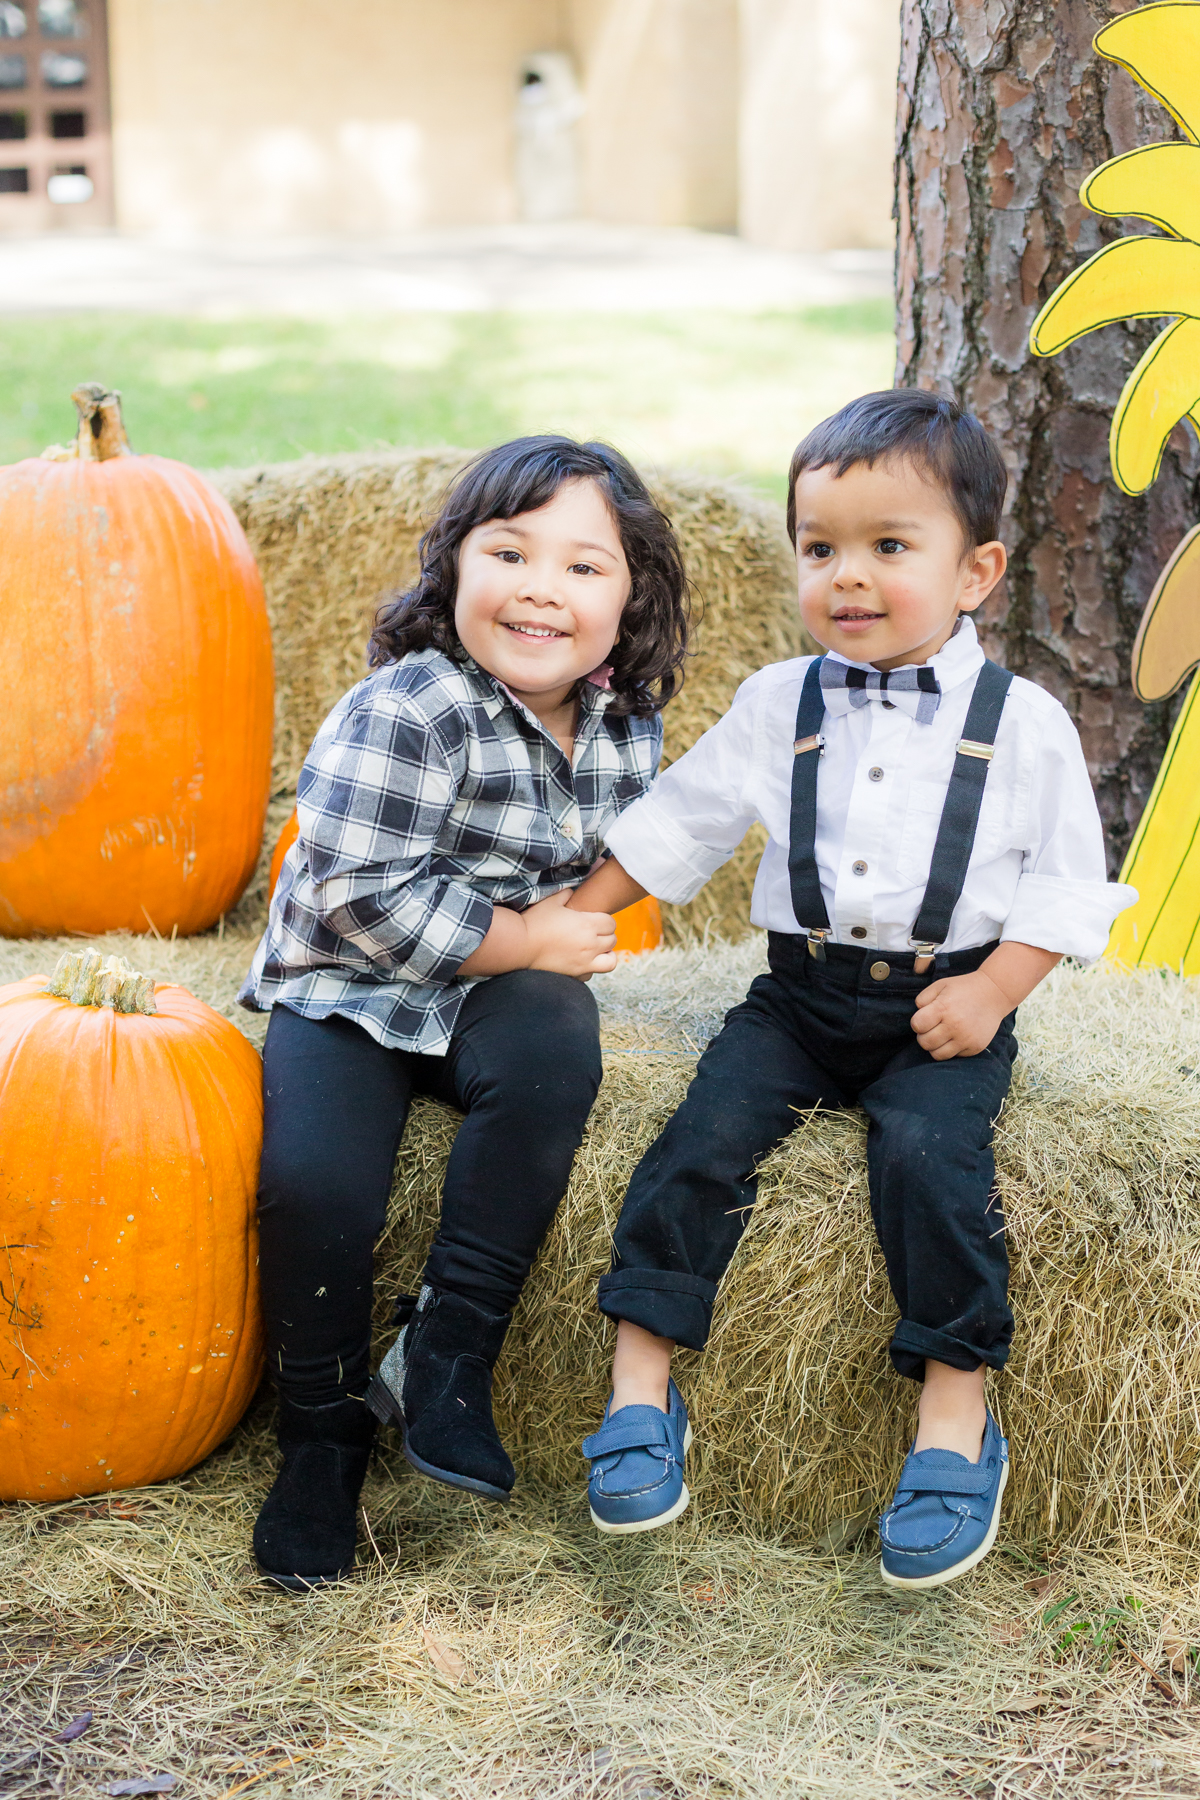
[520,477]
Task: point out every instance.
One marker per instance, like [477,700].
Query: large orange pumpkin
[135,662]
[639,927]
[130,1131]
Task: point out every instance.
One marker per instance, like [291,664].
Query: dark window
[67,125]
[12,71]
[14,181]
[13,125]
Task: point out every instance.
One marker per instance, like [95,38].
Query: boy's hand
[568,942]
[959,1015]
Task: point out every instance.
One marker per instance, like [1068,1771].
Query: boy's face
[882,571]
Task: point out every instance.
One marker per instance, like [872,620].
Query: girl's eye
[889,546]
[583,569]
[509,556]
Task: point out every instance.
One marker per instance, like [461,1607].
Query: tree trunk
[1003,109]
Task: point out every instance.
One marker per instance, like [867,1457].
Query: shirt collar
[959,659]
[495,697]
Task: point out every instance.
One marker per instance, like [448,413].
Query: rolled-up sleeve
[694,817]
[1064,902]
[370,802]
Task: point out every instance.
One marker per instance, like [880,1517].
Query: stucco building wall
[364,117]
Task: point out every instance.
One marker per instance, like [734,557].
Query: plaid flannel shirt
[429,796]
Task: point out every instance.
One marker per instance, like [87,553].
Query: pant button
[880,971]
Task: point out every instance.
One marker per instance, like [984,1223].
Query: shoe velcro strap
[944,1481]
[638,1434]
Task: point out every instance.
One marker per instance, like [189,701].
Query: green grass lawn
[728,393]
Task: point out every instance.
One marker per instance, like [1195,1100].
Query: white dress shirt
[1037,869]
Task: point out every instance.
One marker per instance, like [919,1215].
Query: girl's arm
[553,934]
[606,890]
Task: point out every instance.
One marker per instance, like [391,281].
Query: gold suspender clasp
[923,961]
[816,944]
[968,747]
[816,742]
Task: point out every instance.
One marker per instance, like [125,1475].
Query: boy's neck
[920,653]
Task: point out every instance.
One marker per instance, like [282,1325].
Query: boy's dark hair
[948,444]
[520,477]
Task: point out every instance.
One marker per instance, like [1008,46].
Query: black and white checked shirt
[428,796]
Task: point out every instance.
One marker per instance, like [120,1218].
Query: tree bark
[1003,109]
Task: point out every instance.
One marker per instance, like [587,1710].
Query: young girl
[419,942]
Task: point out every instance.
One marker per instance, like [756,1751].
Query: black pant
[524,1066]
[830,1034]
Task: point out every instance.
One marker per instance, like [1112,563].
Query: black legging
[524,1066]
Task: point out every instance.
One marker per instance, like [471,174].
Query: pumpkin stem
[86,978]
[101,434]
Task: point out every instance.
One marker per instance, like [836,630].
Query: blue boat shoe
[945,1514]
[636,1481]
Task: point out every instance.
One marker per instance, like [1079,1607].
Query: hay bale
[798,1416]
[332,535]
[800,1422]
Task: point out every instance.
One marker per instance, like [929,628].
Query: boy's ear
[986,564]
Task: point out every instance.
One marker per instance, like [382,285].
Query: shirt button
[880,971]
[875,774]
[859,868]
[858,931]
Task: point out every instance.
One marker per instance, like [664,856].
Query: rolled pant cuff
[678,1307]
[911,1344]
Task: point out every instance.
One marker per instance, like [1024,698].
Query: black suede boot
[304,1536]
[435,1383]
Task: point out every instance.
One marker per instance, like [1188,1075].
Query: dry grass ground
[484,1653]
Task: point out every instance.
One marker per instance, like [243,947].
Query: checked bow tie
[915,691]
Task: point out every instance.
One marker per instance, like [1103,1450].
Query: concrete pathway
[580,267]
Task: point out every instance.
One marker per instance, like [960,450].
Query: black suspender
[956,832]
[960,814]
[808,902]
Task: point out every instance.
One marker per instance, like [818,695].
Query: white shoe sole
[967,1563]
[663,1518]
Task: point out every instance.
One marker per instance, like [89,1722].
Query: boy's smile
[883,571]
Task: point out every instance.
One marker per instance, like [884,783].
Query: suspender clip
[969,747]
[816,742]
[923,961]
[816,944]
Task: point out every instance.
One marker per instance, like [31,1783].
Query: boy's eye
[820,552]
[890,546]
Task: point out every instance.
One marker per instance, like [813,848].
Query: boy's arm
[960,1015]
[606,890]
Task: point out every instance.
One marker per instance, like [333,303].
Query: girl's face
[540,597]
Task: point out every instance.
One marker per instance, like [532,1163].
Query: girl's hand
[568,942]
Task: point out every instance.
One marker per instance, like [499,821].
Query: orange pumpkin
[639,927]
[287,838]
[130,1130]
[135,662]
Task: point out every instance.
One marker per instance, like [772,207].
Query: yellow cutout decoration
[1143,278]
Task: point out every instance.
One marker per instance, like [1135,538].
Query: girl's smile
[540,598]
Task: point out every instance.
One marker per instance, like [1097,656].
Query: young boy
[934,850]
